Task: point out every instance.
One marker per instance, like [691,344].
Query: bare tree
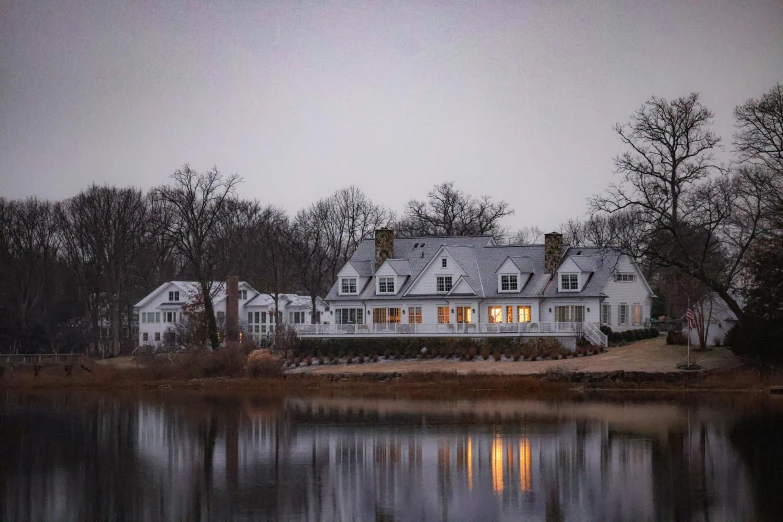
[450,212]
[29,246]
[528,235]
[759,136]
[195,212]
[679,202]
[312,254]
[105,229]
[272,241]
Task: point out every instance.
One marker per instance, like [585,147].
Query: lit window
[523,314]
[414,314]
[443,283]
[174,296]
[348,285]
[636,314]
[569,282]
[386,285]
[495,314]
[443,315]
[464,315]
[444,263]
[625,278]
[509,314]
[509,283]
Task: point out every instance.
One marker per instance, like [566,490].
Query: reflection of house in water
[330,459]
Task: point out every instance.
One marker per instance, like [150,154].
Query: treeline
[70,271]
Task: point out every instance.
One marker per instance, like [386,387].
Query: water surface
[188,456]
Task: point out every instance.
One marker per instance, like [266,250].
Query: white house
[473,286]
[714,317]
[163,307]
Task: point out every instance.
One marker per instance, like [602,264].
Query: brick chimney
[232,309]
[553,251]
[384,246]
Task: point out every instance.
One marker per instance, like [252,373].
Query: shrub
[606,330]
[224,362]
[654,332]
[497,356]
[677,338]
[263,363]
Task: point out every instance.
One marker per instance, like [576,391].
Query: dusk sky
[515,100]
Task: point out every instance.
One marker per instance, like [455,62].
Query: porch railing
[532,328]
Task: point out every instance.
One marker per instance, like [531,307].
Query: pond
[191,456]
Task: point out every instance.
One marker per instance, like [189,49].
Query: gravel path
[651,355]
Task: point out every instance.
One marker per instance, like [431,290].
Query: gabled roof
[585,263]
[363,268]
[401,267]
[523,264]
[480,259]
[461,288]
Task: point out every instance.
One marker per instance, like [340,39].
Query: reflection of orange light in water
[469,458]
[524,464]
[497,465]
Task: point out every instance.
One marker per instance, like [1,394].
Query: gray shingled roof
[480,260]
[400,266]
[600,261]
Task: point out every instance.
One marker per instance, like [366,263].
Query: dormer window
[444,263]
[174,297]
[443,283]
[348,285]
[625,278]
[569,281]
[386,285]
[243,294]
[509,283]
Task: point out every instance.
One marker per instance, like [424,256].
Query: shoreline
[420,383]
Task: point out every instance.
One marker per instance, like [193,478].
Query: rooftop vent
[579,252]
[415,245]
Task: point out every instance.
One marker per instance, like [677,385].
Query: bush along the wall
[413,347]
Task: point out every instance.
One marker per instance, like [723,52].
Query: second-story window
[243,294]
[348,285]
[386,285]
[174,296]
[508,283]
[444,262]
[569,282]
[443,283]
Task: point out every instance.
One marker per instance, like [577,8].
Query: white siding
[426,284]
[629,293]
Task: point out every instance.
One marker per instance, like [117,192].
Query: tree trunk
[313,314]
[209,312]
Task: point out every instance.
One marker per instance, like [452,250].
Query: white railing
[594,334]
[532,328]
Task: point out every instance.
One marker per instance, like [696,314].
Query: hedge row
[398,347]
[630,335]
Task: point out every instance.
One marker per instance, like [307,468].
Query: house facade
[160,312]
[472,286]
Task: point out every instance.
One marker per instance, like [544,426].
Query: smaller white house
[160,311]
[714,317]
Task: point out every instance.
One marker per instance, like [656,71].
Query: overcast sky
[515,100]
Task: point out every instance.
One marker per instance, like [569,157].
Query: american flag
[689,316]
